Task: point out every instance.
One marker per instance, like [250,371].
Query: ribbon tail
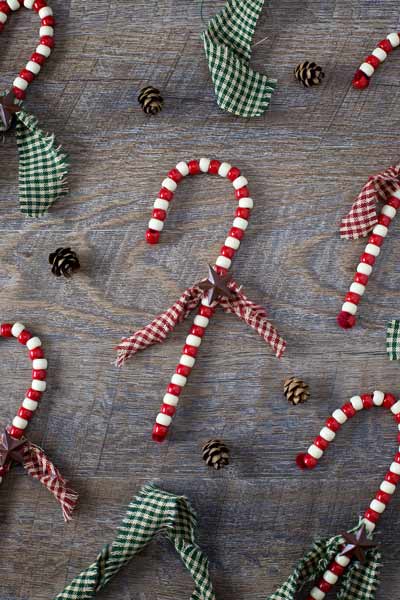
[393,339]
[361,581]
[39,467]
[362,216]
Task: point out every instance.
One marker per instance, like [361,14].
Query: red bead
[392,478]
[2,471]
[324,586]
[385,45]
[40,59]
[27,75]
[167,409]
[371,515]
[398,437]
[236,233]
[183,370]
[24,413]
[373,61]
[33,395]
[47,40]
[376,239]
[383,497]
[4,8]
[206,311]
[190,350]
[336,569]
[159,213]
[345,320]
[194,167]
[306,461]
[348,410]
[226,251]
[332,424]
[220,270]
[196,330]
[368,259]
[397,418]
[5,330]
[214,167]
[389,400]
[39,374]
[361,278]
[393,201]
[242,192]
[36,353]
[174,389]
[1,29]
[38,4]
[244,213]
[152,237]
[165,194]
[233,173]
[384,220]
[367,401]
[160,432]
[19,94]
[352,297]
[175,175]
[24,336]
[321,443]
[16,432]
[48,21]
[360,80]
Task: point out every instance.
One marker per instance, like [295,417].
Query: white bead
[364,269]
[224,169]
[330,577]
[20,423]
[33,343]
[156,224]
[44,12]
[342,560]
[232,242]
[30,404]
[356,403]
[377,506]
[186,360]
[389,211]
[1,479]
[327,434]
[3,17]
[358,288]
[372,249]
[223,261]
[395,468]
[369,525]
[240,223]
[350,308]
[193,340]
[182,168]
[169,183]
[388,488]
[339,416]
[163,419]
[396,194]
[46,30]
[380,54]
[201,321]
[160,203]
[178,380]
[43,50]
[395,408]
[317,594]
[29,4]
[38,385]
[239,182]
[315,451]
[13,4]
[171,399]
[204,163]
[16,329]
[205,301]
[39,363]
[33,67]
[246,203]
[20,83]
[394,39]
[378,397]
[380,230]
[367,69]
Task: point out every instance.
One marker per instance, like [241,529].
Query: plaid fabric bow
[153,511]
[156,332]
[227,44]
[393,339]
[362,216]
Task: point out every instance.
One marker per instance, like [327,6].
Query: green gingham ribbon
[358,582]
[227,43]
[151,512]
[393,339]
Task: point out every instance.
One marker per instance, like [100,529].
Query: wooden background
[305,159]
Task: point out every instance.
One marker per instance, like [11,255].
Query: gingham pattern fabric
[393,339]
[156,332]
[362,216]
[227,44]
[43,167]
[151,512]
[358,582]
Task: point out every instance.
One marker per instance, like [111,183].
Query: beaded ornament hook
[219,289]
[364,73]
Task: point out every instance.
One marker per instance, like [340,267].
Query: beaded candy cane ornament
[16,448]
[219,289]
[364,73]
[42,165]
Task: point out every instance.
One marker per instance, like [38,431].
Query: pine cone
[64,262]
[150,100]
[216,454]
[309,74]
[295,390]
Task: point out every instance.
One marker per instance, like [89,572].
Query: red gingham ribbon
[362,216]
[156,332]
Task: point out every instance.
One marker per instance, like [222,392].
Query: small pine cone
[150,100]
[295,390]
[216,454]
[64,262]
[309,74]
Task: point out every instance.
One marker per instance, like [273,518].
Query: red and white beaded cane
[218,290]
[364,73]
[382,497]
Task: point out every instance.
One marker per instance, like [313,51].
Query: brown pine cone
[150,100]
[309,73]
[64,262]
[216,454]
[295,390]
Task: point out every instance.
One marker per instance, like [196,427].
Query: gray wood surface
[305,160]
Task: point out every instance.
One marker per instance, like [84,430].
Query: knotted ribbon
[157,331]
[362,216]
[227,44]
[393,339]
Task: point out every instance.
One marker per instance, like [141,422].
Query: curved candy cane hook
[364,73]
[382,497]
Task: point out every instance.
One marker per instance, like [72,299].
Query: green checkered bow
[151,512]
[227,43]
[358,582]
[393,339]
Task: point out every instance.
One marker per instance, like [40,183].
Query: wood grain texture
[305,160]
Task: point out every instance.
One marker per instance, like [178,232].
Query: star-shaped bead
[216,285]
[11,449]
[357,543]
[8,108]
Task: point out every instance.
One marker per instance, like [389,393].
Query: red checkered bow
[156,332]
[362,216]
